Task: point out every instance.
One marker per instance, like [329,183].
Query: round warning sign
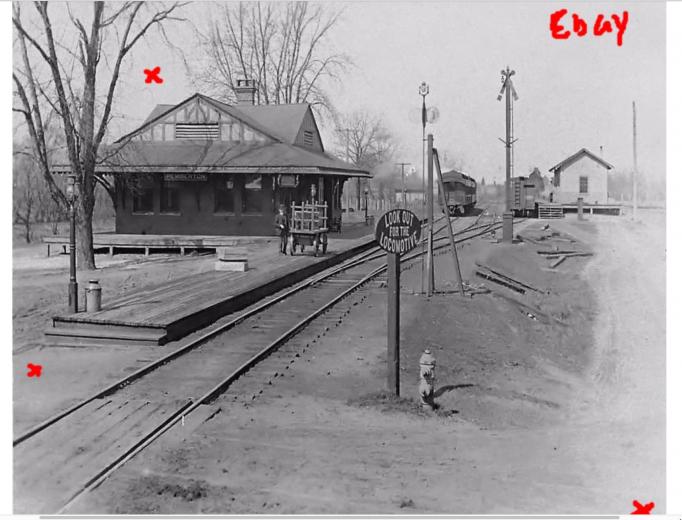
[398,231]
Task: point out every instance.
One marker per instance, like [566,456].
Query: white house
[583,174]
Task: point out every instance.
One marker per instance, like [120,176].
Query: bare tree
[73,97]
[25,193]
[32,201]
[280,45]
[366,143]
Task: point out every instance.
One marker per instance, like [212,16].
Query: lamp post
[73,284]
[366,200]
[423,92]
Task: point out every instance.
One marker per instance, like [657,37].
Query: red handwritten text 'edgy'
[580,27]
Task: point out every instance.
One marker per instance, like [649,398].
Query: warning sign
[398,231]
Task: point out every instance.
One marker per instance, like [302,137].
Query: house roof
[278,154]
[162,110]
[219,157]
[576,157]
[158,110]
[282,120]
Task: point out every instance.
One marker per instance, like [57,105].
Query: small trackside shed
[203,167]
[583,174]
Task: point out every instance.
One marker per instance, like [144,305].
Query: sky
[573,93]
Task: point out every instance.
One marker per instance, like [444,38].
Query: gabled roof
[276,154]
[577,156]
[218,157]
[161,111]
[158,110]
[282,120]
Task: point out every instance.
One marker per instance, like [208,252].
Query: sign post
[398,231]
[393,333]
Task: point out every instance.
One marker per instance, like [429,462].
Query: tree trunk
[84,245]
[27,232]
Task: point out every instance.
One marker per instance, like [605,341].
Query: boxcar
[525,195]
[460,192]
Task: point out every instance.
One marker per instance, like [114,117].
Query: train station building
[203,167]
[583,175]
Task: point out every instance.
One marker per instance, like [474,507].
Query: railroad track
[61,458]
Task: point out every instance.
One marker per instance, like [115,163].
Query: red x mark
[640,509]
[34,370]
[153,75]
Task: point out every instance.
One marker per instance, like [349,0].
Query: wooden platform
[550,210]
[148,243]
[163,313]
[603,209]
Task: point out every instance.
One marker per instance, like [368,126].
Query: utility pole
[634,161]
[423,92]
[402,167]
[509,91]
[429,215]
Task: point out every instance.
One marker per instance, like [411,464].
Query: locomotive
[460,193]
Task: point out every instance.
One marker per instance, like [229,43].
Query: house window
[143,194]
[583,184]
[170,197]
[252,199]
[307,138]
[224,194]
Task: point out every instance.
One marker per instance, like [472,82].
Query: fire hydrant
[427,379]
[93,296]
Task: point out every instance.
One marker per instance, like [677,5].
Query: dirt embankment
[532,393]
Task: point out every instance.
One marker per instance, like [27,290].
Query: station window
[143,194]
[170,197]
[583,184]
[252,199]
[224,194]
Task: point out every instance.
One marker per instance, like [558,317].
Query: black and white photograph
[350,258]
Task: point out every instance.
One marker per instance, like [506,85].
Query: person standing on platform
[282,224]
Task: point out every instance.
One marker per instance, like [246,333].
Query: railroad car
[525,196]
[460,192]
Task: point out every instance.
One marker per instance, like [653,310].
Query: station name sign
[193,177]
[398,231]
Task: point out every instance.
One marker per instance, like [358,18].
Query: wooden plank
[560,260]
[500,281]
[508,278]
[564,252]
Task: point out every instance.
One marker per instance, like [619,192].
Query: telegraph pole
[509,91]
[429,215]
[402,167]
[634,161]
[423,92]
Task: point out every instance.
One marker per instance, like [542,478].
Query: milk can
[93,296]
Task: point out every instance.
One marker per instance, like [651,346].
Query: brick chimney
[246,91]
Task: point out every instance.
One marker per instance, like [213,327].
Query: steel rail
[214,392]
[220,388]
[142,371]
[146,369]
